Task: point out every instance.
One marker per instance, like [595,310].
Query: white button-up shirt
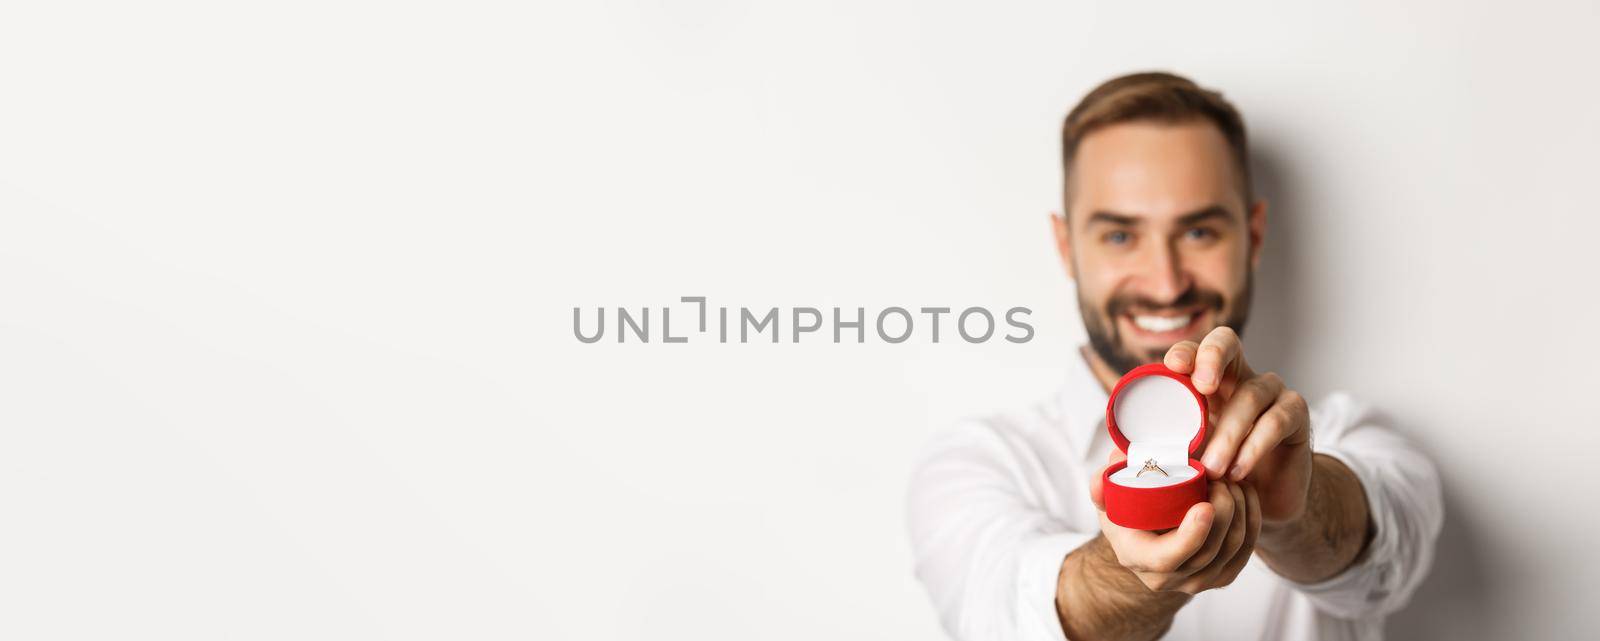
[996,504]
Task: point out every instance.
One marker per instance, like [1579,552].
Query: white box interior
[1159,417]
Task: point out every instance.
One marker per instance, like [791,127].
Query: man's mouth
[1163,327]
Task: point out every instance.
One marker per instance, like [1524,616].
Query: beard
[1106,340]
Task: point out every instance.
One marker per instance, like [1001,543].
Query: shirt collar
[1083,404]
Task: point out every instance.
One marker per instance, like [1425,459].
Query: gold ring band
[1150,466]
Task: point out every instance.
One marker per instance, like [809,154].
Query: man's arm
[1354,523]
[985,548]
[1000,568]
[1401,493]
[1097,598]
[1329,536]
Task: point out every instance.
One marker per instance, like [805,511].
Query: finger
[1287,422]
[1180,358]
[1240,522]
[1237,372]
[1207,577]
[1222,501]
[1252,533]
[1217,352]
[1237,419]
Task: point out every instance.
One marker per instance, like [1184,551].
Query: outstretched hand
[1260,429]
[1207,550]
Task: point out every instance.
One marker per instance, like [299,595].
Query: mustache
[1192,297]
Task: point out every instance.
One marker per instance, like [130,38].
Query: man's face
[1159,238]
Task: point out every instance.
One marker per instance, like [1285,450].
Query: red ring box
[1155,413]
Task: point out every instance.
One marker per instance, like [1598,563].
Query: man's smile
[1162,328]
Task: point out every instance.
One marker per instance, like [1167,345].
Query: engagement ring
[1150,466]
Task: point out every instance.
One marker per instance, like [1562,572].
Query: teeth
[1158,324]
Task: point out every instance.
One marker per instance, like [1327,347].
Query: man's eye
[1199,233]
[1118,237]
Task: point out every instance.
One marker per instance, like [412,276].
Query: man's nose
[1166,279]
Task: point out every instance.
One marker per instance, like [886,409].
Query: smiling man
[1313,538]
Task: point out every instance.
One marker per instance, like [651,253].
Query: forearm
[1329,536]
[1097,598]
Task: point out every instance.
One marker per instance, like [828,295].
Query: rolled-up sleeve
[988,554]
[1404,504]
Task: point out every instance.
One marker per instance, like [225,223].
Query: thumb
[1181,543]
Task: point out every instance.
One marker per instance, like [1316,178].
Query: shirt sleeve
[1404,504]
[987,553]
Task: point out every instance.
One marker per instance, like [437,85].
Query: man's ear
[1258,231]
[1058,224]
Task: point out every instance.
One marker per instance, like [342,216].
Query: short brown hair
[1160,97]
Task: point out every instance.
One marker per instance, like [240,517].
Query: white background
[286,293]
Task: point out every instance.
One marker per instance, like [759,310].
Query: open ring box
[1155,414]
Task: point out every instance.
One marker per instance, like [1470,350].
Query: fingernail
[1202,379]
[1236,473]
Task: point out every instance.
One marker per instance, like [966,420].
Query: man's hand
[1128,584]
[1207,550]
[1314,511]
[1260,429]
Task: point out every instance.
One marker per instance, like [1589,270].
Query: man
[1313,538]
